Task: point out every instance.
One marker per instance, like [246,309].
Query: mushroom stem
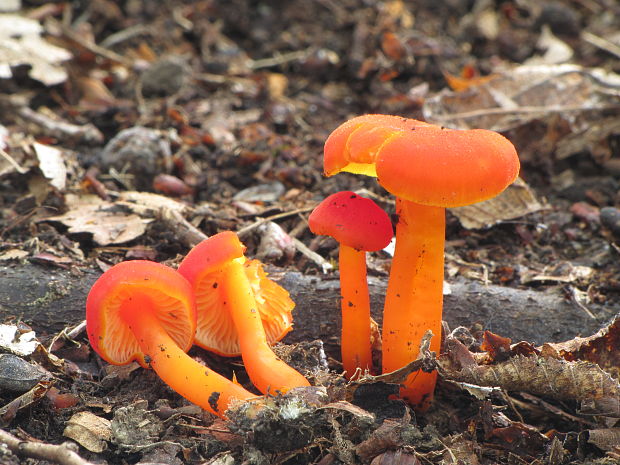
[198,384]
[414,296]
[355,305]
[268,373]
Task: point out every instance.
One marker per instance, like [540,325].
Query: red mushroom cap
[169,296]
[352,220]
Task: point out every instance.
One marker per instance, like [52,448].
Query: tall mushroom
[144,311]
[427,168]
[215,270]
[359,225]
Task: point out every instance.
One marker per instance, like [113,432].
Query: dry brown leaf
[605,439]
[522,95]
[602,348]
[107,222]
[516,201]
[89,430]
[21,44]
[580,381]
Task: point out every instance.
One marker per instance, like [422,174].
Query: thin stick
[12,162]
[62,454]
[315,257]
[91,46]
[601,43]
[522,110]
[241,232]
[279,59]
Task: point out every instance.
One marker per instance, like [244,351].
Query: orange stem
[194,381]
[355,304]
[268,373]
[414,298]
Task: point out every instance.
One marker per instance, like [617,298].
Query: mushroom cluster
[428,169]
[147,312]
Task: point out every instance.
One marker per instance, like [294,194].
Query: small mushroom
[359,225]
[218,274]
[427,168]
[144,311]
[215,329]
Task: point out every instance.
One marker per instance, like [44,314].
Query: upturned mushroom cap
[424,163]
[215,328]
[168,295]
[352,220]
[357,154]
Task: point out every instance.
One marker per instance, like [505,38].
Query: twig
[574,296]
[87,133]
[184,231]
[124,35]
[66,335]
[91,46]
[62,454]
[521,110]
[315,257]
[12,162]
[556,410]
[243,231]
[601,43]
[279,59]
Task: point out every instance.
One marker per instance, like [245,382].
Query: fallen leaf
[17,342]
[516,201]
[51,164]
[108,222]
[13,254]
[21,44]
[89,430]
[580,381]
[602,348]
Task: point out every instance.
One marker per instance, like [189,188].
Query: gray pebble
[140,152]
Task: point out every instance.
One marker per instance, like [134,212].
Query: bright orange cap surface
[167,293]
[353,154]
[352,220]
[203,267]
[424,163]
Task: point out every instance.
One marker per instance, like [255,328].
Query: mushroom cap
[166,293]
[356,154]
[352,220]
[424,163]
[203,267]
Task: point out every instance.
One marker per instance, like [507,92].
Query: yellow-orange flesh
[197,383]
[266,371]
[355,305]
[414,298]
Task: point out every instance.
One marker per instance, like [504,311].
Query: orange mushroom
[215,329]
[144,311]
[216,270]
[427,168]
[360,226]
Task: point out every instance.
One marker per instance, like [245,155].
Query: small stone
[17,375]
[140,152]
[610,218]
[163,78]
